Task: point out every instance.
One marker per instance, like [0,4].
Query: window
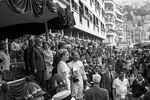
[88,23]
[96,3]
[109,7]
[81,8]
[86,11]
[68,7]
[91,3]
[80,18]
[102,25]
[99,23]
[72,2]
[96,21]
[91,18]
[109,27]
[74,5]
[99,11]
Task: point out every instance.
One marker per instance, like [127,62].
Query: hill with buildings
[136,14]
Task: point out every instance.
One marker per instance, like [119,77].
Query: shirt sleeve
[83,71]
[114,84]
[62,67]
[128,85]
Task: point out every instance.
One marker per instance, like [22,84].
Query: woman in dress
[62,68]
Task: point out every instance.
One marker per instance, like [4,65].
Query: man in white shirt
[77,70]
[120,87]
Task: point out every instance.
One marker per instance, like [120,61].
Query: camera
[75,78]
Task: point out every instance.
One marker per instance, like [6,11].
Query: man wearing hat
[96,93]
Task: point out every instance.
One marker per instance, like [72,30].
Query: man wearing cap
[96,93]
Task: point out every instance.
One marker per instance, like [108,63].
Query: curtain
[36,7]
[14,90]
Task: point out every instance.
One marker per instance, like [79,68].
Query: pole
[7,49]
[46,31]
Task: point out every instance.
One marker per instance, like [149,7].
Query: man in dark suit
[96,93]
[107,80]
[27,60]
[38,62]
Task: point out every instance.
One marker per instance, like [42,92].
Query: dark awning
[21,17]
[28,18]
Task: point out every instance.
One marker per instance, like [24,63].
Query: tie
[110,76]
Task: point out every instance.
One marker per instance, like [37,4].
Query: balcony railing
[109,9]
[109,0]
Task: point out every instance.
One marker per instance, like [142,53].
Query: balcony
[111,23]
[120,37]
[66,2]
[109,9]
[110,12]
[111,33]
[120,20]
[109,1]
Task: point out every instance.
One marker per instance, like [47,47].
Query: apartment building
[120,24]
[146,35]
[114,23]
[89,18]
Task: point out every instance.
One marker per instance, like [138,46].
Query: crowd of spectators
[74,60]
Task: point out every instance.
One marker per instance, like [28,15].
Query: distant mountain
[134,3]
[131,11]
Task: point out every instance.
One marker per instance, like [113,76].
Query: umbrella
[20,17]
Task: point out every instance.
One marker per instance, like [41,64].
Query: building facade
[146,26]
[89,18]
[114,23]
